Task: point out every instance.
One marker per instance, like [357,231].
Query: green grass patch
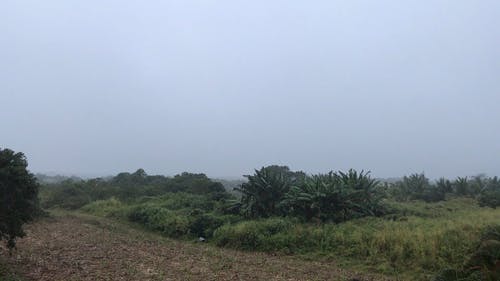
[415,241]
[177,215]
[444,237]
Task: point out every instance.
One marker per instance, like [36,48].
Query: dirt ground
[80,247]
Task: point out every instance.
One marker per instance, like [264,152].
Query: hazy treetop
[222,87]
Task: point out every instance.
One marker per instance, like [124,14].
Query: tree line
[270,191]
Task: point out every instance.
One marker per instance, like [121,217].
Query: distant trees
[461,186]
[490,194]
[18,195]
[418,187]
[73,194]
[277,191]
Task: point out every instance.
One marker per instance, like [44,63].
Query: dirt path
[79,247]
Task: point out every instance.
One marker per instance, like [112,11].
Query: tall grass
[178,215]
[418,238]
[107,208]
[396,244]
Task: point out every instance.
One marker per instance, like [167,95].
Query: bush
[418,187]
[484,263]
[336,197]
[429,243]
[204,224]
[251,235]
[70,197]
[106,208]
[181,200]
[490,198]
[490,194]
[264,191]
[73,194]
[160,219]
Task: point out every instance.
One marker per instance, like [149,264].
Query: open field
[286,225]
[72,246]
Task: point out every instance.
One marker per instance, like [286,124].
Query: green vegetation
[264,191]
[483,264]
[18,195]
[412,228]
[335,197]
[74,194]
[391,244]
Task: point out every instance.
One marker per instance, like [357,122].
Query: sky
[92,87]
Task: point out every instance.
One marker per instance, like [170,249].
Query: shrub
[429,243]
[69,197]
[484,263]
[160,219]
[418,187]
[461,186]
[251,235]
[181,200]
[336,197]
[490,194]
[262,194]
[73,194]
[106,208]
[204,224]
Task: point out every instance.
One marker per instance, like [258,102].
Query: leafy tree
[18,195]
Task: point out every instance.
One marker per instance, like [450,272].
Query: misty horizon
[224,87]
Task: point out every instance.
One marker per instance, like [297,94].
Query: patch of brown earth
[78,247]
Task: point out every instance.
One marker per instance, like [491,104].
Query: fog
[223,87]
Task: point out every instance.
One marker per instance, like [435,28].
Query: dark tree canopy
[18,195]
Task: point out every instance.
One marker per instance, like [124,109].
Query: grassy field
[413,244]
[419,240]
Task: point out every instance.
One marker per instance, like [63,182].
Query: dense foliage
[490,193]
[335,197]
[410,223]
[181,206]
[73,194]
[277,191]
[418,187]
[483,264]
[18,195]
[264,191]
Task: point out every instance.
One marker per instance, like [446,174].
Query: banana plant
[263,192]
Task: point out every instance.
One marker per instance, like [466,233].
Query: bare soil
[81,247]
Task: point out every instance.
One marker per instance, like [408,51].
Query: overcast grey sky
[222,87]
